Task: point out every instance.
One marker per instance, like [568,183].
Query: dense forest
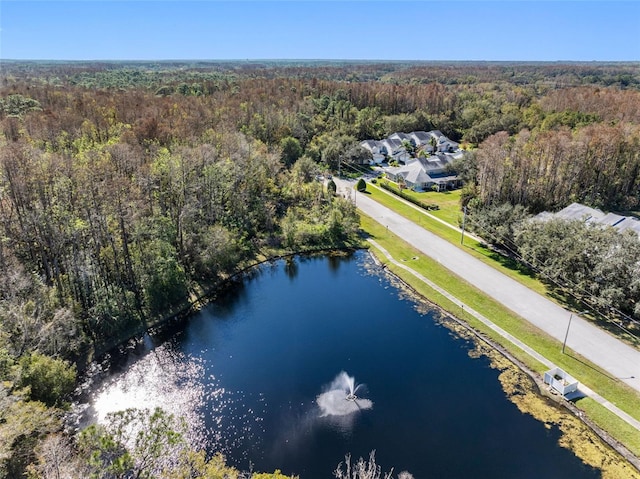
[130,190]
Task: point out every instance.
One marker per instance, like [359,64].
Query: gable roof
[577,211]
[434,162]
[415,173]
[400,136]
[580,212]
[420,137]
[371,144]
[393,145]
[426,170]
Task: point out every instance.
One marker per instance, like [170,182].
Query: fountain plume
[341,397]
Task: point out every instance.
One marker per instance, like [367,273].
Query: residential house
[377,150]
[444,144]
[629,223]
[577,211]
[422,174]
[395,150]
[580,212]
[432,143]
[420,138]
[402,137]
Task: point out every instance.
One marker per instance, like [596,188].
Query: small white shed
[560,381]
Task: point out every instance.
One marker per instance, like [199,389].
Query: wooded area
[127,190]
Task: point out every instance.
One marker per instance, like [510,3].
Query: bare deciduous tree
[365,469]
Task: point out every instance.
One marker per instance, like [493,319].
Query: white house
[377,150]
[432,143]
[401,137]
[420,138]
[426,173]
[395,150]
[392,146]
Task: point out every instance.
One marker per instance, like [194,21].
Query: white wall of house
[377,158]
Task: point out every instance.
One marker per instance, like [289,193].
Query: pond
[248,370]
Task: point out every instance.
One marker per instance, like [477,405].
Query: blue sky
[359,30]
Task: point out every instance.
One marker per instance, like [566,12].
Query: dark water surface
[247,370]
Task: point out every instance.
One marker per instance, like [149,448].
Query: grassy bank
[472,246]
[615,391]
[449,212]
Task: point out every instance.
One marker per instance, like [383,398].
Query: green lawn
[615,391]
[471,246]
[448,203]
[449,213]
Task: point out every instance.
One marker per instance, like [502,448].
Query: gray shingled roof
[434,162]
[401,136]
[392,144]
[371,144]
[611,219]
[629,223]
[577,211]
[420,137]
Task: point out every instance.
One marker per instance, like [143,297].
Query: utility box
[560,381]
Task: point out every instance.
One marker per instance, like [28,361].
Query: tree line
[593,266]
[117,211]
[127,191]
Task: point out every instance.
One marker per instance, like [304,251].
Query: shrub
[49,380]
[427,206]
[331,187]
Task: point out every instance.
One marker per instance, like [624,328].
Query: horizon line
[341,60]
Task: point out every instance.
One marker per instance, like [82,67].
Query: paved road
[613,356]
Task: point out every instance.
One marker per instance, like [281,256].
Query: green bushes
[396,191]
[331,187]
[48,380]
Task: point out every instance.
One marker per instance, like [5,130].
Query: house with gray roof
[611,219]
[377,150]
[423,174]
[401,137]
[392,147]
[577,211]
[430,170]
[629,223]
[395,150]
[580,212]
[420,138]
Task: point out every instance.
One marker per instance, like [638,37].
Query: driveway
[611,355]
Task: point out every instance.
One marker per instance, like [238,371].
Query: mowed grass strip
[448,202]
[481,251]
[612,389]
[473,247]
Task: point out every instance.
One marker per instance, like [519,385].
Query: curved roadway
[613,356]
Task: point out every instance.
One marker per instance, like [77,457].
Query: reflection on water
[162,377]
[166,378]
[251,373]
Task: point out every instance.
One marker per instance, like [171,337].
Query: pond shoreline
[537,385]
[95,353]
[449,320]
